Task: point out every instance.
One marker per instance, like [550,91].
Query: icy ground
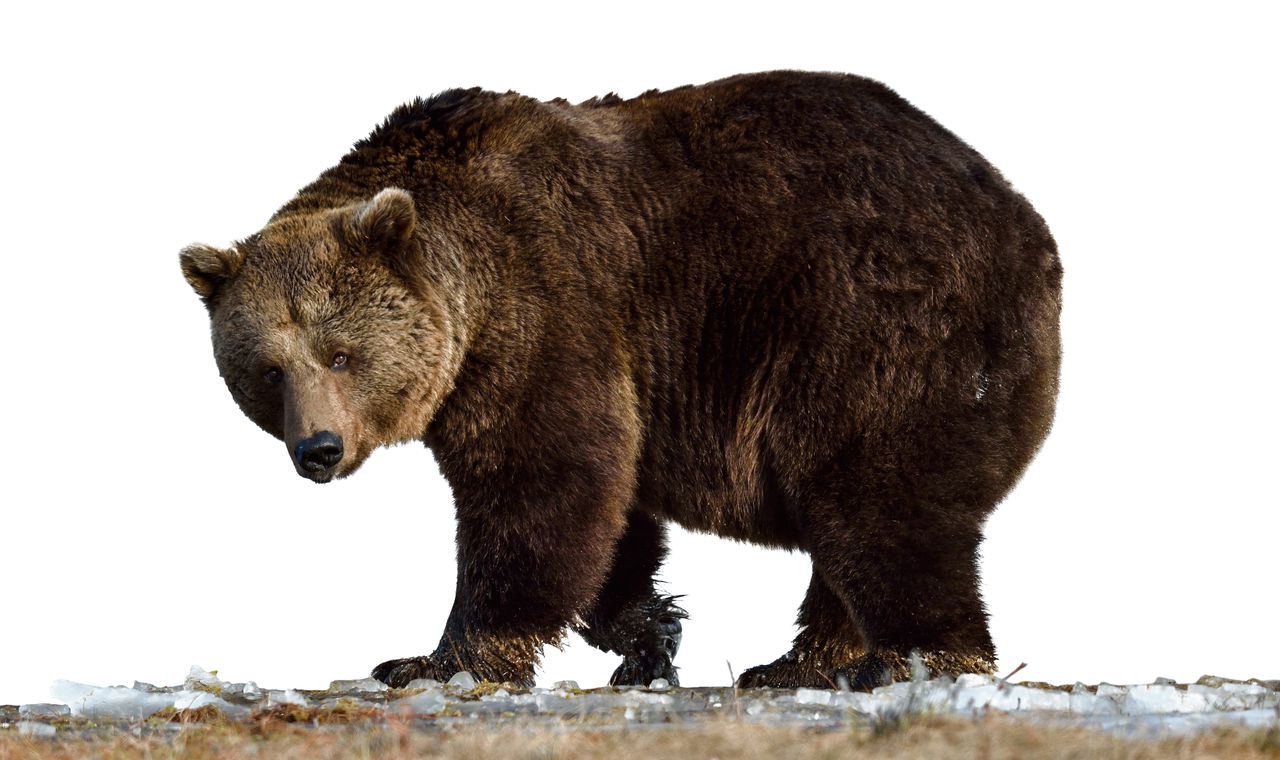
[1142,709]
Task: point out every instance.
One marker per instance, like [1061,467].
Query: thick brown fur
[786,308]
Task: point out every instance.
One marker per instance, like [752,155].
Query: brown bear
[786,308]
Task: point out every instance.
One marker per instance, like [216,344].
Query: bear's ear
[384,224]
[207,268]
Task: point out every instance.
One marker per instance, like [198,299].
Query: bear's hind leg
[910,582]
[827,641]
[630,617]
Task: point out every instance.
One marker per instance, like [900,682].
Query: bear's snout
[316,456]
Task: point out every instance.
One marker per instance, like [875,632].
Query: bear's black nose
[319,452]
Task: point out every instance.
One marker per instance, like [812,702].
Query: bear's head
[327,332]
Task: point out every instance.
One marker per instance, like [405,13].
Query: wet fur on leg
[882,668]
[828,640]
[860,671]
[801,668]
[502,660]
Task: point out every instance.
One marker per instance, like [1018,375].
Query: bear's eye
[339,360]
[273,375]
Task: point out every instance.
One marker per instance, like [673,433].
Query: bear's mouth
[319,477]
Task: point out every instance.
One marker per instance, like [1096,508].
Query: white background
[148,526]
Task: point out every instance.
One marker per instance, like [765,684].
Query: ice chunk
[900,690]
[199,679]
[109,702]
[423,683]
[1245,696]
[659,684]
[428,702]
[118,702]
[565,686]
[501,695]
[1194,702]
[463,681]
[938,694]
[194,700]
[247,691]
[919,673]
[549,701]
[813,697]
[32,728]
[631,697]
[1084,702]
[970,680]
[286,697]
[362,685]
[852,700]
[1027,698]
[968,694]
[975,697]
[44,710]
[1152,698]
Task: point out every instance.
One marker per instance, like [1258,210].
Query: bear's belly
[704,505]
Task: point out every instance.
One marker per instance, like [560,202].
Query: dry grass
[993,738]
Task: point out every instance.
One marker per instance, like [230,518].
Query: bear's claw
[790,671]
[655,660]
[644,670]
[818,666]
[398,673]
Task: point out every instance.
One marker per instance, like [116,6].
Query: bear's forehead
[296,274]
[297,260]
[290,251]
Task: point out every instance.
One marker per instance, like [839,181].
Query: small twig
[1004,681]
[827,678]
[737,707]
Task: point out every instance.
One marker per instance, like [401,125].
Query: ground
[988,737]
[974,716]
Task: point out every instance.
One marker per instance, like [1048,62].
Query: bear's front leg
[538,520]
